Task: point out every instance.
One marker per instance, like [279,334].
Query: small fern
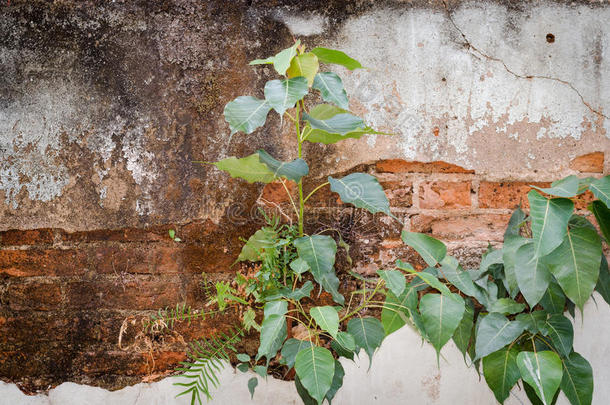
[166,318]
[206,357]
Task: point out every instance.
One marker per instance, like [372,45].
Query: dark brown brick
[16,237]
[42,262]
[34,295]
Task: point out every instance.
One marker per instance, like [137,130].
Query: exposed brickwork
[505,194]
[443,194]
[589,163]
[403,166]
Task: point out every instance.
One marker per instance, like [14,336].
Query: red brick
[477,227]
[34,295]
[505,194]
[443,194]
[400,193]
[16,237]
[589,163]
[42,262]
[276,193]
[402,166]
[123,293]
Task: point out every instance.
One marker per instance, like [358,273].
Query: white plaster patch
[303,25]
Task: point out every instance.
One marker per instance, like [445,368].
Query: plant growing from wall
[509,314]
[289,263]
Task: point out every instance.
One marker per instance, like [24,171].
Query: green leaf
[461,279]
[602,215]
[533,276]
[172,234]
[394,280]
[327,319]
[346,341]
[534,321]
[549,221]
[326,55]
[542,371]
[441,315]
[261,370]
[512,242]
[506,306]
[463,334]
[325,112]
[363,191]
[282,60]
[368,334]
[290,350]
[243,357]
[273,333]
[315,367]
[277,307]
[249,320]
[262,239]
[603,282]
[577,380]
[284,94]
[243,367]
[396,309]
[337,382]
[494,332]
[341,124]
[246,113]
[432,250]
[248,168]
[553,301]
[298,293]
[601,189]
[252,383]
[501,372]
[331,88]
[533,397]
[425,276]
[305,397]
[567,187]
[560,331]
[299,266]
[576,262]
[293,170]
[305,65]
[319,253]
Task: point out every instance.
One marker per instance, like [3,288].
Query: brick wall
[65,296]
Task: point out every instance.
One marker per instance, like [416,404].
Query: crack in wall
[485,55]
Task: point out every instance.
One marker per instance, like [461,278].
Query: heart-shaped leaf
[341,124]
[534,321]
[298,293]
[559,329]
[273,333]
[249,168]
[252,383]
[542,371]
[394,280]
[432,250]
[603,282]
[396,309]
[506,306]
[305,65]
[315,367]
[566,187]
[293,170]
[453,272]
[602,215]
[368,334]
[533,275]
[462,337]
[283,94]
[549,221]
[441,315]
[276,307]
[601,189]
[299,266]
[331,88]
[336,383]
[246,113]
[282,60]
[326,55]
[363,191]
[512,242]
[262,239]
[575,264]
[494,332]
[327,319]
[290,350]
[577,380]
[344,345]
[501,372]
[319,253]
[553,301]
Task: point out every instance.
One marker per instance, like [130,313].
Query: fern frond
[166,318]
[206,357]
